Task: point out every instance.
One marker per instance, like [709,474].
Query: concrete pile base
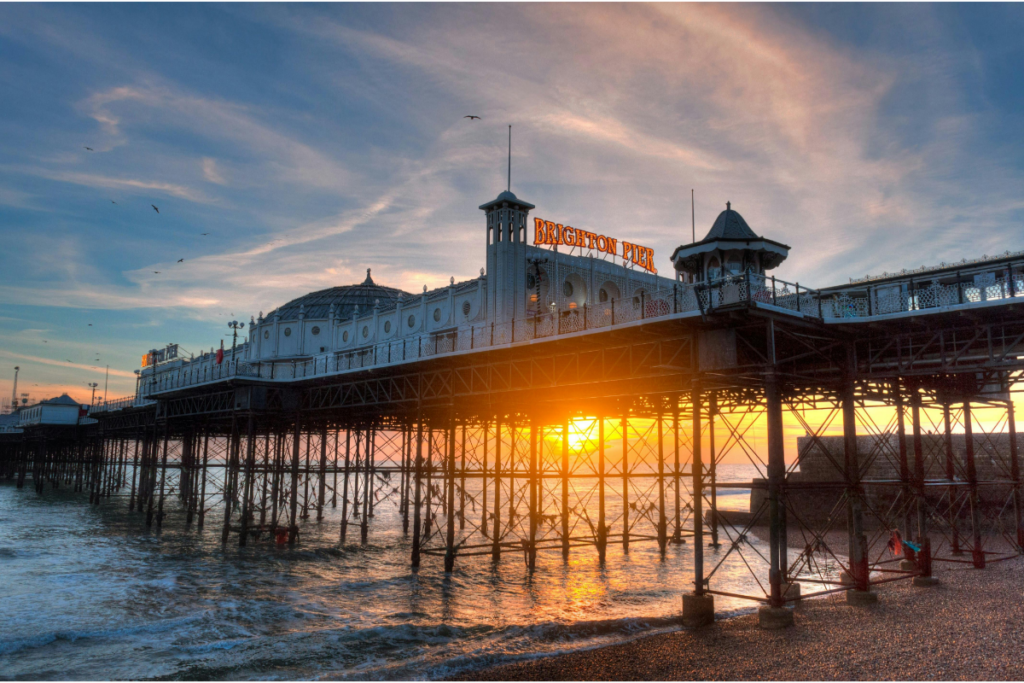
[698,610]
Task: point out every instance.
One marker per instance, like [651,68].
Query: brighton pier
[570,398]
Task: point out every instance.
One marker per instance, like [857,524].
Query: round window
[315,330]
[287,331]
[266,334]
[387,326]
[366,332]
[603,295]
[531,280]
[437,315]
[344,336]
[466,308]
[567,288]
[412,321]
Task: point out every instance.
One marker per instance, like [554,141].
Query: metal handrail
[744,289]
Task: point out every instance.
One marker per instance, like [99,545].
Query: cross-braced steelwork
[906,452]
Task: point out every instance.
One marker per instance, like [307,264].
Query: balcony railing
[120,404]
[745,290]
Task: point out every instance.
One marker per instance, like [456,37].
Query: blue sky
[312,142]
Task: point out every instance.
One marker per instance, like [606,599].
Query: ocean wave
[15,645]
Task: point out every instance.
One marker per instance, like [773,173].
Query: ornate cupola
[730,248]
[506,256]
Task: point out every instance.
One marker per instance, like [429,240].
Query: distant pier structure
[571,397]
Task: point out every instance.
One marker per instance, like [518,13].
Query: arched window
[714,268]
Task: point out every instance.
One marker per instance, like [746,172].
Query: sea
[88,592]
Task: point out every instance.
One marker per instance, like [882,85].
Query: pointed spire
[728,207]
[368,280]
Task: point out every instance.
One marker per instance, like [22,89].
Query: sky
[290,147]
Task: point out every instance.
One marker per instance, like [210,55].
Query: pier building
[571,397]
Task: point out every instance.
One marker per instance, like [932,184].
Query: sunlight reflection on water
[91,593]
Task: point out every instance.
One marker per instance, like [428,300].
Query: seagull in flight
[156,272]
[204,234]
[90,149]
[470,117]
[154,208]
[180,260]
[113,202]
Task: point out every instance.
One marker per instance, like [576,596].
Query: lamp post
[14,392]
[235,327]
[93,385]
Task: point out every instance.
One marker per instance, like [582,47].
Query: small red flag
[220,353]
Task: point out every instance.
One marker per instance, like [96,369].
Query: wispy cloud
[4,353]
[211,171]
[97,180]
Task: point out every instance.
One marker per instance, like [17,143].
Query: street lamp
[93,385]
[235,327]
[14,392]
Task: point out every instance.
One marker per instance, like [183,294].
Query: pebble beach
[966,628]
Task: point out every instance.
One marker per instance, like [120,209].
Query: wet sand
[966,628]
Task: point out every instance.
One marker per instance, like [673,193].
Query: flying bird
[68,359]
[180,260]
[204,234]
[154,208]
[156,272]
[470,117]
[90,149]
[113,202]
[90,324]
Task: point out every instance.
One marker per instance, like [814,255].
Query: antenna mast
[693,219]
[509,188]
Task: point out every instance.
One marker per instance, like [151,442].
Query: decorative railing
[120,404]
[744,290]
[906,297]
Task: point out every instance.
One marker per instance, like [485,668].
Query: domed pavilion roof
[345,299]
[729,232]
[730,226]
[510,198]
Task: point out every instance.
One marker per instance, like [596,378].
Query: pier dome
[345,299]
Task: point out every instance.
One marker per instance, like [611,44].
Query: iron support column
[293,527]
[855,514]
[698,494]
[977,548]
[776,480]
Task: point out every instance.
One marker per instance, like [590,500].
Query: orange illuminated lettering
[551,233]
[539,233]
